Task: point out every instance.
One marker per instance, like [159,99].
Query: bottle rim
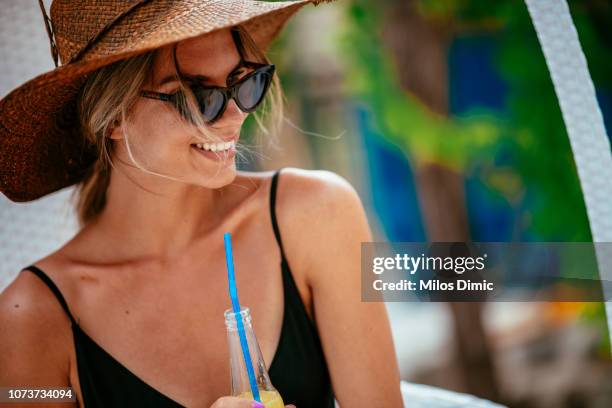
[230,316]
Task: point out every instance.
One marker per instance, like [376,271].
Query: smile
[215,147]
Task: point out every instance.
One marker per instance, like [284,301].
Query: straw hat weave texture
[42,148]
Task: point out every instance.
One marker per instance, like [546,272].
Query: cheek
[157,131]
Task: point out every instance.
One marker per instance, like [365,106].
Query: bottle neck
[231,318]
[243,347]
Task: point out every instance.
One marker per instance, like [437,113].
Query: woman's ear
[114,131]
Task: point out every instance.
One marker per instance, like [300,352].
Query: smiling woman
[144,117]
[112,113]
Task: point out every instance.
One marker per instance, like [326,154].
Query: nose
[232,115]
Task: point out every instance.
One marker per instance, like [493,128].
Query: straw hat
[41,147]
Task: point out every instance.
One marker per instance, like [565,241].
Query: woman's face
[160,140]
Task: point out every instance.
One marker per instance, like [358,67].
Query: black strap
[47,280]
[273,189]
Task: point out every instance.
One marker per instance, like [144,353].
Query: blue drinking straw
[233,291]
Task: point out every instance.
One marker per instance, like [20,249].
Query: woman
[157,110]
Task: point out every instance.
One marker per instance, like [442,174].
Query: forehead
[212,55]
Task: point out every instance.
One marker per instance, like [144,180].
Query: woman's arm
[34,339]
[325,223]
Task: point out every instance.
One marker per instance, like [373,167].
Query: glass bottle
[239,376]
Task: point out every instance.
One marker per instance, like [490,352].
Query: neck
[158,222]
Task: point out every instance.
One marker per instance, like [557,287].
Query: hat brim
[42,148]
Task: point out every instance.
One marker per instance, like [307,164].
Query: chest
[164,322]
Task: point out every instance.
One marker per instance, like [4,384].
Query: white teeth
[216,147]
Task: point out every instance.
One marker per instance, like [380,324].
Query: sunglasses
[248,92]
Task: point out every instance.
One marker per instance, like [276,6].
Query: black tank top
[298,370]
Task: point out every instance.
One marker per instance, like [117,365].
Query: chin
[220,176]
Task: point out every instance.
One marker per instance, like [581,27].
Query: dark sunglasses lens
[211,102]
[251,92]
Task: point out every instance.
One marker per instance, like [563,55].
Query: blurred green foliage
[531,130]
[401,117]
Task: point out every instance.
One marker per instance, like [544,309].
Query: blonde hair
[106,100]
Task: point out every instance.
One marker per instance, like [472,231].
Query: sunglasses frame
[229,92]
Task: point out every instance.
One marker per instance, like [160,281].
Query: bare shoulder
[324,225]
[34,330]
[28,301]
[315,189]
[318,211]
[300,190]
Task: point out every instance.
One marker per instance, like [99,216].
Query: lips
[221,155]
[222,149]
[215,147]
[232,137]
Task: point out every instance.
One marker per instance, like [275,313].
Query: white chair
[425,396]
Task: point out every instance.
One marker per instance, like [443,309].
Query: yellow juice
[271,399]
